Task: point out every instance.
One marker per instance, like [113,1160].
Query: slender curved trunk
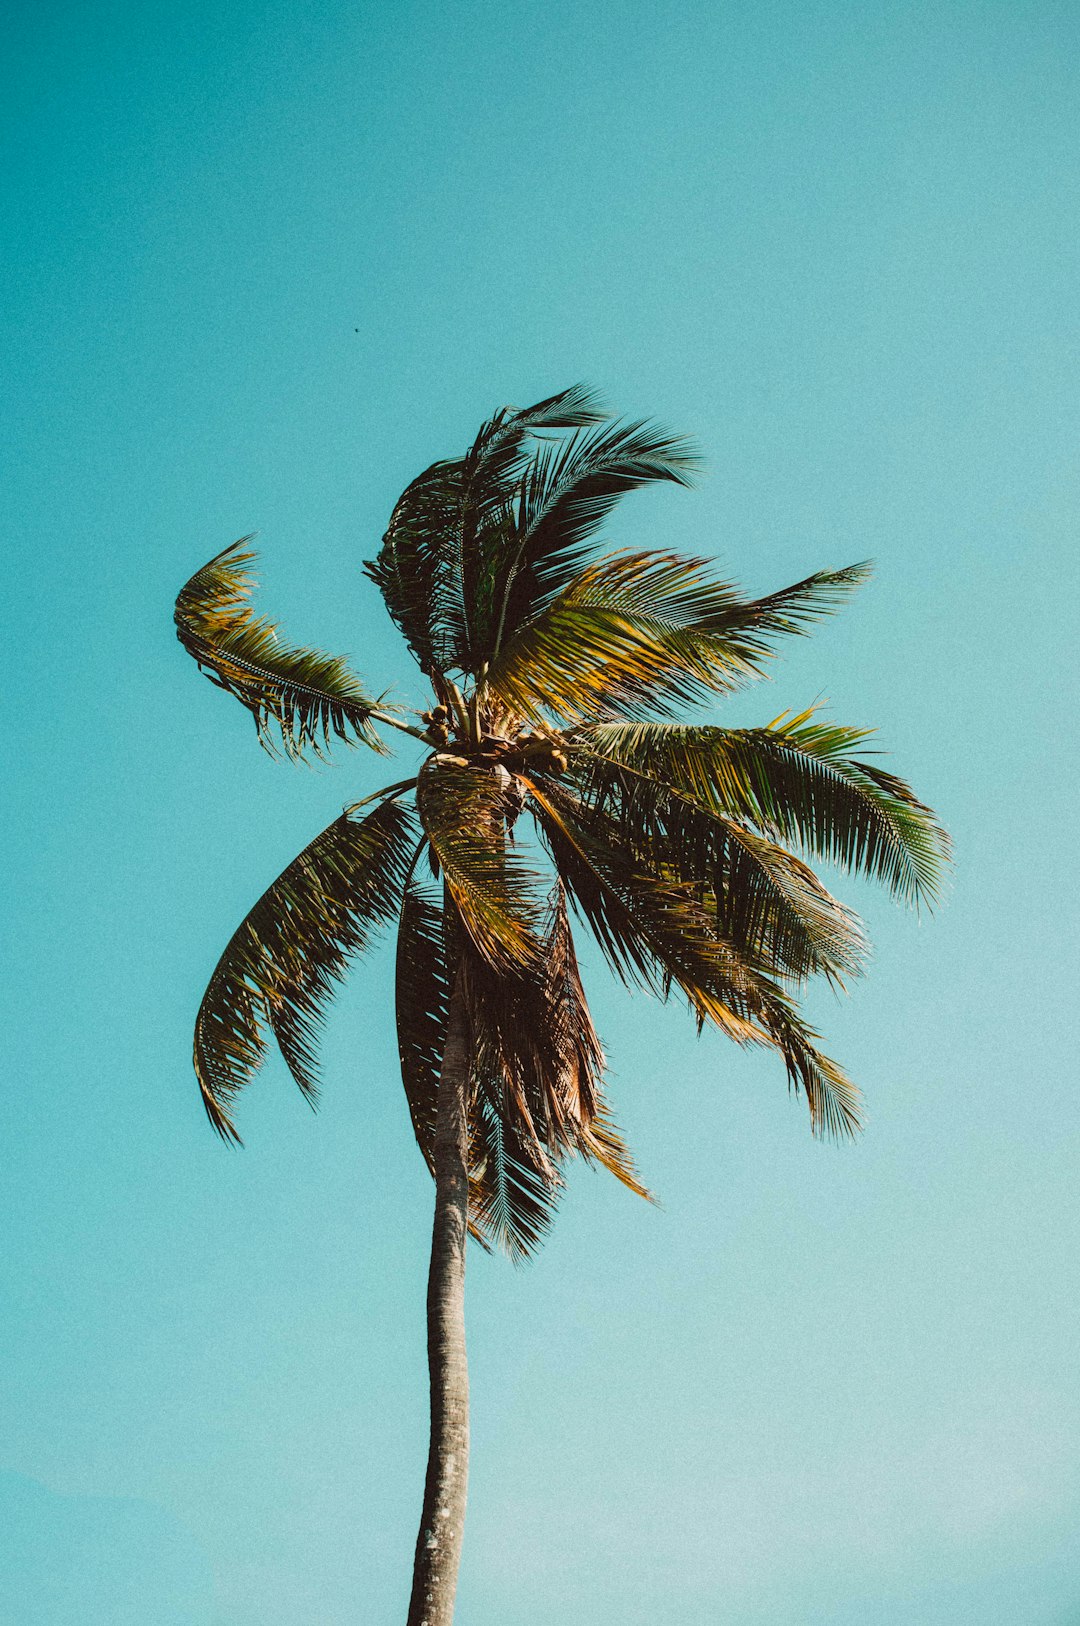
[438,1546]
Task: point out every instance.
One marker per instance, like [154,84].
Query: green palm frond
[464,812]
[766,901]
[565,494]
[489,473]
[501,450]
[282,963]
[311,697]
[835,1101]
[798,782]
[649,632]
[655,931]
[411,569]
[433,566]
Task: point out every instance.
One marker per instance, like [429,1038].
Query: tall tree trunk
[438,1546]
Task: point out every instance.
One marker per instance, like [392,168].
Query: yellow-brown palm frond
[310,697]
[536,1078]
[649,633]
[464,811]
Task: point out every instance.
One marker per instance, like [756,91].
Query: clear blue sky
[263,263]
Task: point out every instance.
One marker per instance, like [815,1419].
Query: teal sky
[262,263]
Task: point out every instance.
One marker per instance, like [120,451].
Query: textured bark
[438,1546]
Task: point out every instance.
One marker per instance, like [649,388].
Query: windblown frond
[798,782]
[564,496]
[655,931]
[433,568]
[765,901]
[652,929]
[649,632]
[283,961]
[311,697]
[411,568]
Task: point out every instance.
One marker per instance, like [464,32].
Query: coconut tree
[557,783]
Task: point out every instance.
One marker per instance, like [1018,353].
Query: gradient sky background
[262,264]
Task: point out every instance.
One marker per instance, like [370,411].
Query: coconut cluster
[527,746]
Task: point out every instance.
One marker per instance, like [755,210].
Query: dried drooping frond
[535,1081]
[463,810]
[422,1006]
[538,1074]
[282,963]
[533,1031]
[512,1190]
[592,1131]
[512,1196]
[648,632]
[311,697]
[798,782]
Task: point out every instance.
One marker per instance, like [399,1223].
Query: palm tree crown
[558,783]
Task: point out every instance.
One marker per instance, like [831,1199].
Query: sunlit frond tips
[310,697]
